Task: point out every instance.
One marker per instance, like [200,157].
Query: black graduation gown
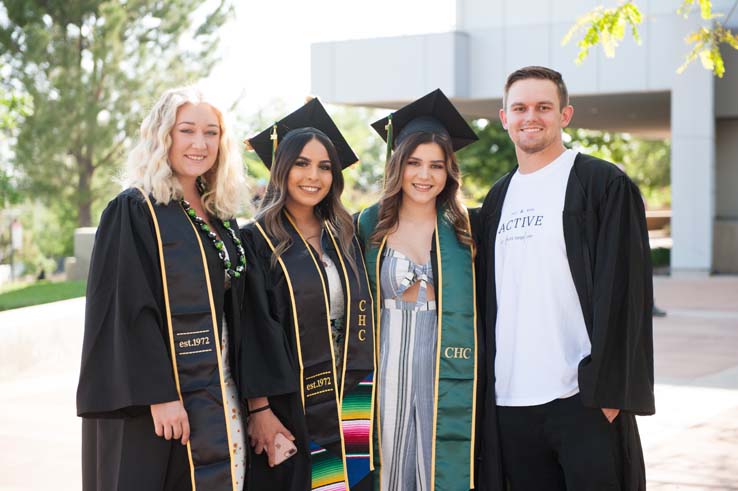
[126,364]
[609,257]
[272,362]
[272,366]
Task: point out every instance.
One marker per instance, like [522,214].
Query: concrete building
[638,91]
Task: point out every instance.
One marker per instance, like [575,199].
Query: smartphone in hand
[283,449]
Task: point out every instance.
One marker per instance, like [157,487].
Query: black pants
[560,445]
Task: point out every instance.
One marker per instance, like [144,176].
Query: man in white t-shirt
[566,297]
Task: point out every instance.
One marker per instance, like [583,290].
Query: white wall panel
[474,15]
[726,88]
[527,13]
[391,69]
[568,11]
[526,45]
[582,78]
[626,72]
[486,64]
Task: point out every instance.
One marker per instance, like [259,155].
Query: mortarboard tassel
[274,138]
[389,137]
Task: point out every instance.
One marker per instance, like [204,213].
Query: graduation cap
[432,113]
[311,115]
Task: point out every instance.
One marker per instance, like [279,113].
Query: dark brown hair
[448,199]
[539,73]
[330,209]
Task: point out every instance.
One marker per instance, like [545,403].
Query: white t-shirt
[540,330]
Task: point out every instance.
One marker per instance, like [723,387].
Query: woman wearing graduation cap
[307,315]
[160,360]
[419,255]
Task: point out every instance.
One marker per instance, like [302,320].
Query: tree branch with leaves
[91,68]
[607,27]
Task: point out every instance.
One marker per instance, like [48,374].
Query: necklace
[217,243]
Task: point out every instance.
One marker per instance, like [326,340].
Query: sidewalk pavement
[40,349]
[691,444]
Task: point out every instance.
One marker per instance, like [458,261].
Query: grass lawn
[40,292]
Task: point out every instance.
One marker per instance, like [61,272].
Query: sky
[265,48]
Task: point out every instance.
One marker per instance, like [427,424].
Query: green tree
[248,124]
[606,27]
[647,162]
[8,186]
[363,180]
[91,68]
[13,105]
[487,160]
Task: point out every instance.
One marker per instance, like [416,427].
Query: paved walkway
[39,432]
[691,444]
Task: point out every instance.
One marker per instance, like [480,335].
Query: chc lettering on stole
[457,352]
[362,321]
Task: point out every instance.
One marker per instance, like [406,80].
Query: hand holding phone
[263,429]
[283,449]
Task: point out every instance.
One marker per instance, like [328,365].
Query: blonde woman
[158,387]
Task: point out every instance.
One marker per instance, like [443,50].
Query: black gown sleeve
[480,255]
[355,219]
[269,368]
[476,223]
[125,358]
[619,373]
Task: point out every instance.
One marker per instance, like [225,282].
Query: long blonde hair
[148,166]
[449,199]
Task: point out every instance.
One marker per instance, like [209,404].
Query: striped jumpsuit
[407,368]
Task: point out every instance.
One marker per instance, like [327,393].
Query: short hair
[539,73]
[148,163]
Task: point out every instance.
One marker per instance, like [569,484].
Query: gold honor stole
[455,386]
[339,419]
[194,342]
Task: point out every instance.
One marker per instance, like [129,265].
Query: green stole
[194,342]
[339,419]
[452,461]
